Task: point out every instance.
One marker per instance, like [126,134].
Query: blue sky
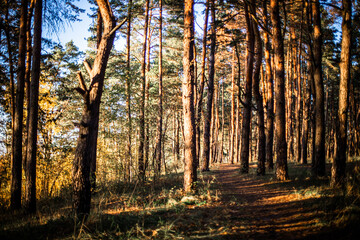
[77,31]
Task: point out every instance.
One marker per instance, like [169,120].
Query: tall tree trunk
[306,115]
[298,97]
[147,88]
[12,83]
[233,103]
[128,158]
[259,101]
[202,82]
[278,46]
[206,151]
[28,74]
[288,104]
[188,98]
[214,127]
[311,83]
[238,110]
[245,136]
[338,172]
[141,159]
[30,197]
[319,164]
[90,115]
[269,133]
[16,177]
[99,32]
[160,119]
[222,123]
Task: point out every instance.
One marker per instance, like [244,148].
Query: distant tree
[160,117]
[128,158]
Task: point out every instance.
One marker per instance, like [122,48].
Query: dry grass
[227,205]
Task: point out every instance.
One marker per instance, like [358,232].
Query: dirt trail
[261,208]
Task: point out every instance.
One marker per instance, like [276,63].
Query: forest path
[258,207]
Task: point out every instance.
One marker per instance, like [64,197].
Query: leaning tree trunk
[319,160]
[206,154]
[245,136]
[16,170]
[188,98]
[278,46]
[99,32]
[90,115]
[339,163]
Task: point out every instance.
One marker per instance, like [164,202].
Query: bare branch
[81,82]
[80,90]
[88,68]
[117,27]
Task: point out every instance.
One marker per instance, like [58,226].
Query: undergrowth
[119,211]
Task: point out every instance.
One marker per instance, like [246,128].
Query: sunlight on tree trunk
[278,46]
[90,115]
[246,130]
[208,116]
[188,98]
[338,171]
[18,116]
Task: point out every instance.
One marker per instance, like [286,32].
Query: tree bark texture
[319,163]
[90,115]
[233,103]
[128,158]
[339,163]
[199,99]
[160,119]
[141,159]
[259,102]
[208,116]
[245,136]
[269,133]
[188,98]
[30,190]
[278,46]
[16,168]
[306,115]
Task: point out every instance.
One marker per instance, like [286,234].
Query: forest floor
[227,205]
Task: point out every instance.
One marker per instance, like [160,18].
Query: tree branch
[88,68]
[81,82]
[117,27]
